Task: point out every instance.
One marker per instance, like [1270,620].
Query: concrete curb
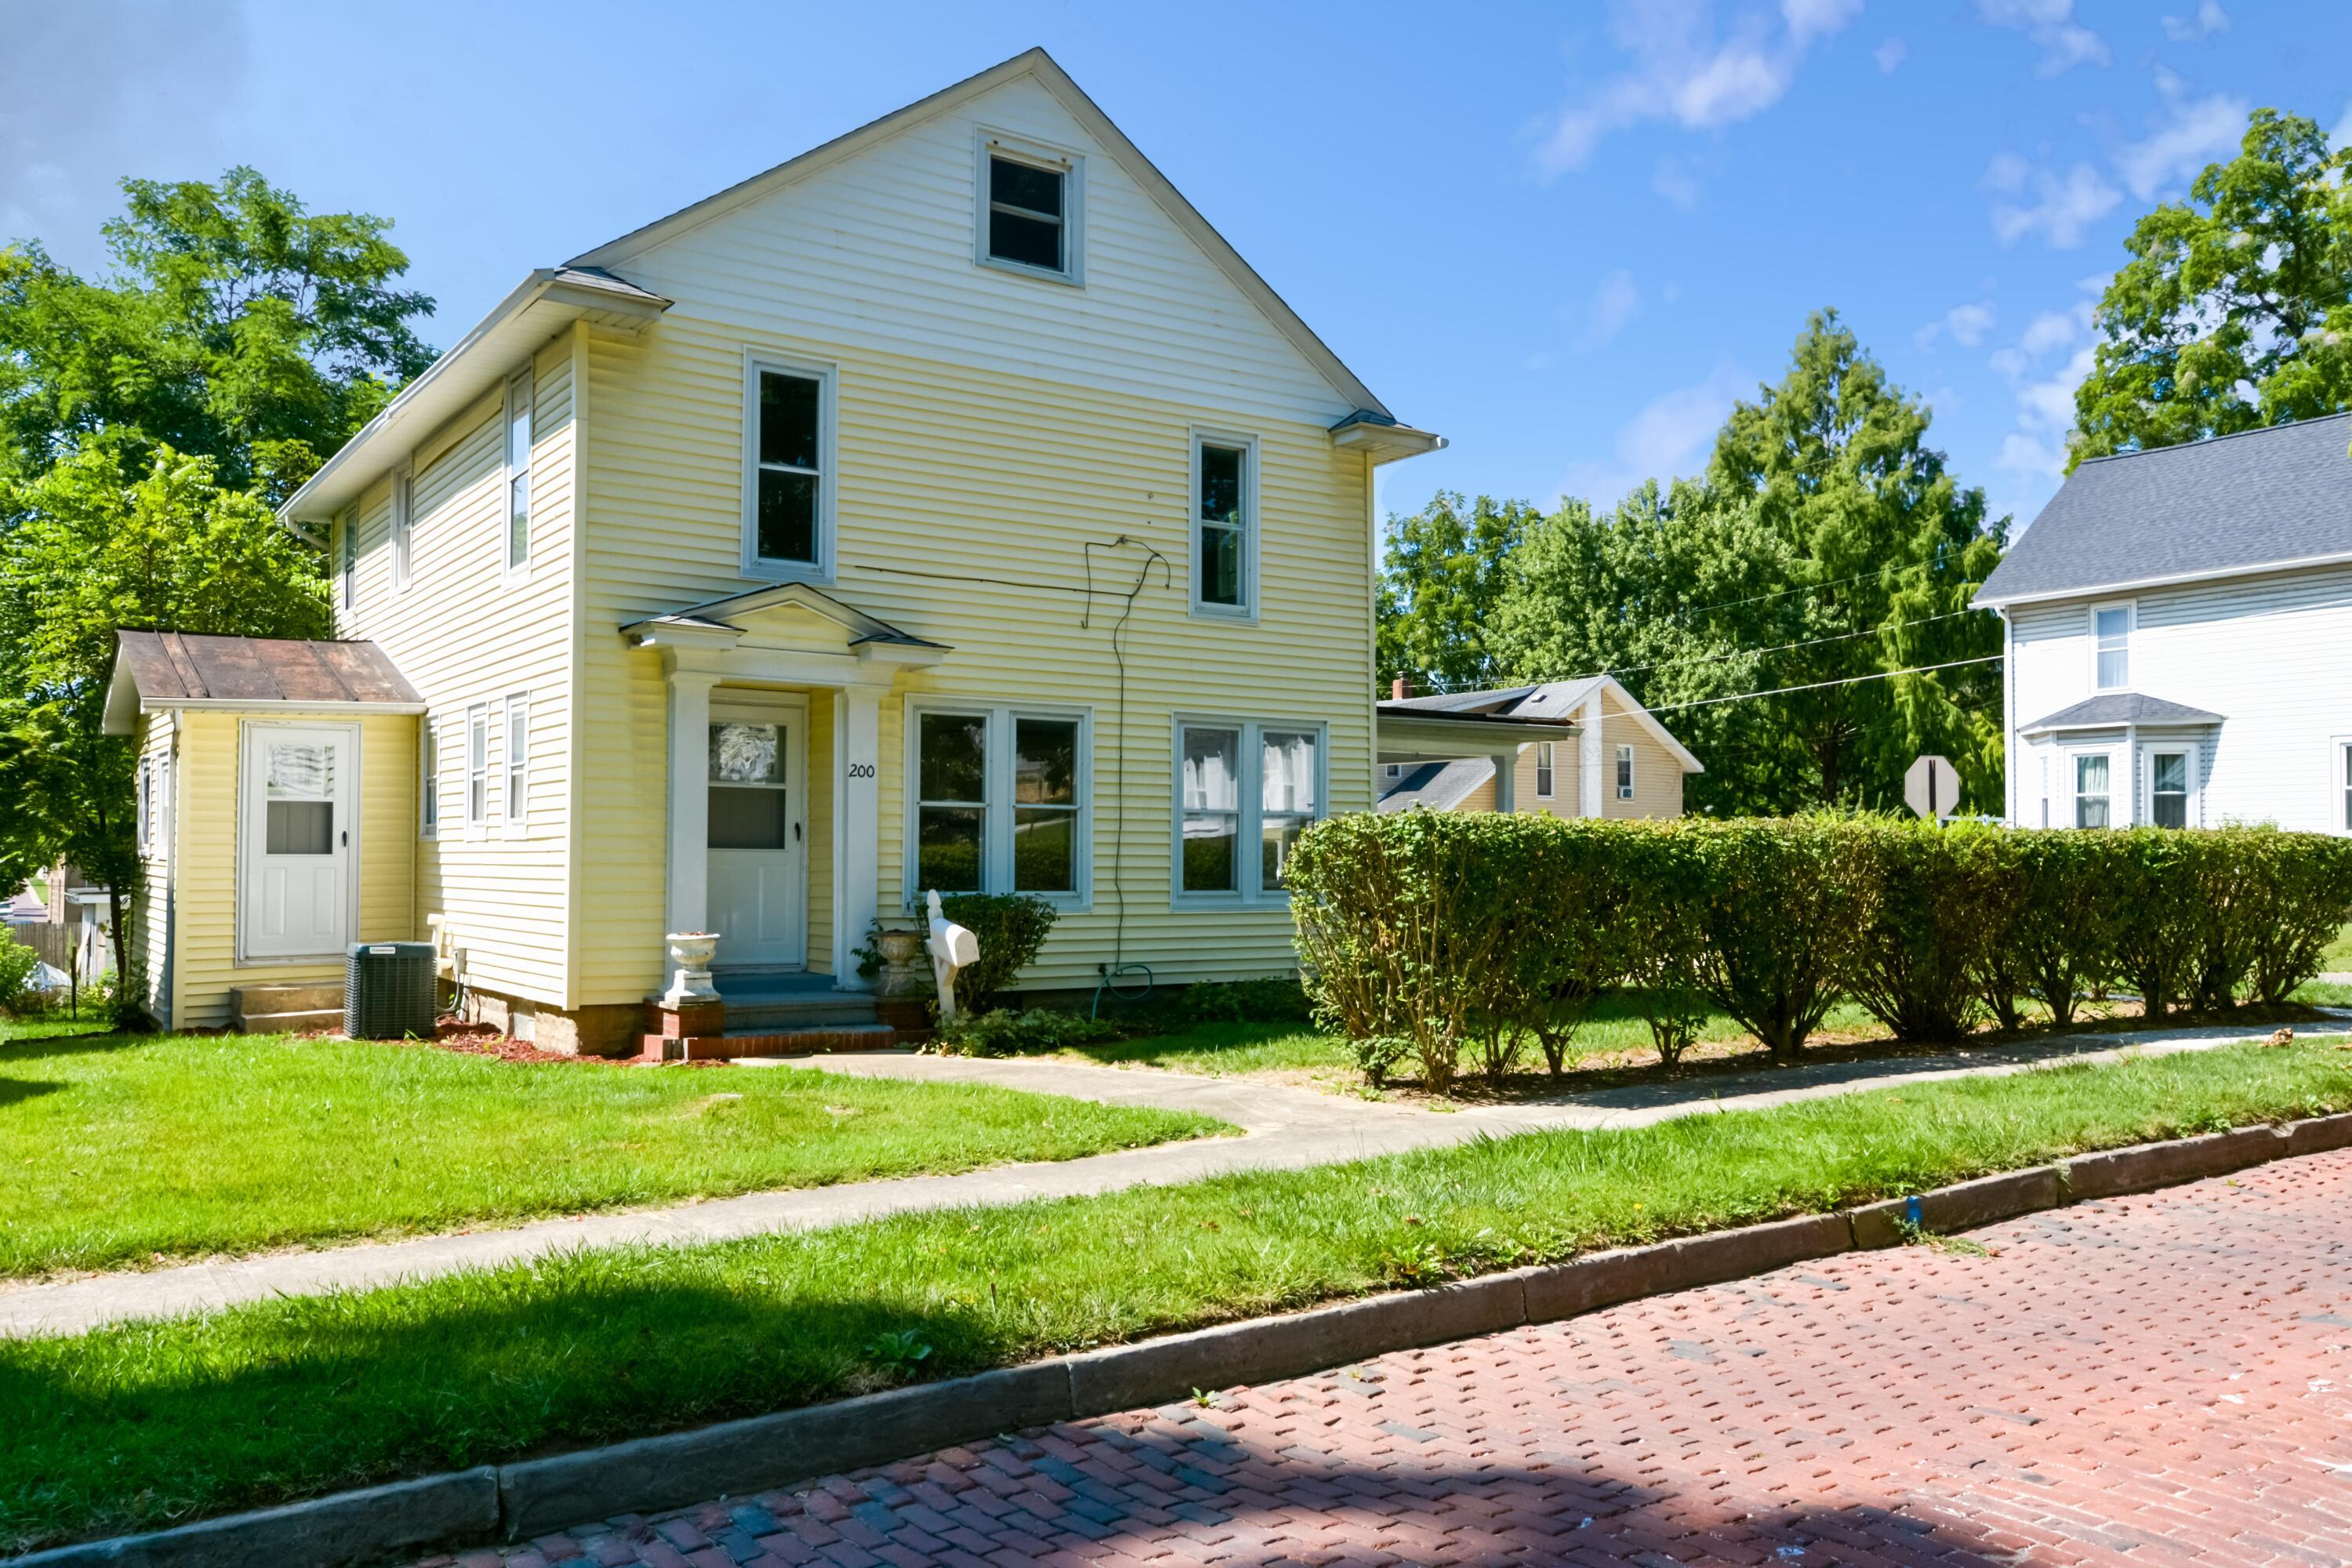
[357,1529]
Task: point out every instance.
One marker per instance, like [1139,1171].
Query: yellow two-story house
[950,506]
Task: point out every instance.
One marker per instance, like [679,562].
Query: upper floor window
[2111,627]
[518,473]
[346,554]
[1224,541]
[1029,216]
[403,529]
[1624,773]
[788,486]
[146,821]
[1544,774]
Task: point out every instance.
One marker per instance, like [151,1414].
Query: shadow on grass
[16,1091]
[146,1425]
[33,1048]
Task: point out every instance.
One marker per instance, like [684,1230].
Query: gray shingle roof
[1441,786]
[2231,504]
[2120,707]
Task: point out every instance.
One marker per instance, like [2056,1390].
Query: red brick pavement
[2151,1380]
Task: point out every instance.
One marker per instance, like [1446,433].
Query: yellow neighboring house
[948,507]
[1606,754]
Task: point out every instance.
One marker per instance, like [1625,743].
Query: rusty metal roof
[176,669]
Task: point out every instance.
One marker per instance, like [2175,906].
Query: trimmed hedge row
[1475,933]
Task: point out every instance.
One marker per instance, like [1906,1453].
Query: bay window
[2091,794]
[1001,803]
[1238,782]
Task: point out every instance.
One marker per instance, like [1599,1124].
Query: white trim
[514,803]
[2339,794]
[347,558]
[1246,612]
[349,826]
[790,711]
[1249,830]
[404,526]
[144,832]
[270,705]
[428,779]
[522,387]
[2140,584]
[2193,803]
[2091,613]
[996,832]
[476,773]
[1066,162]
[828,377]
[2118,789]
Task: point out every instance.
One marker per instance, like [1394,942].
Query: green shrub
[2062,935]
[1005,1033]
[1780,921]
[2294,910]
[2160,877]
[1924,894]
[1011,928]
[1268,999]
[1376,1054]
[17,964]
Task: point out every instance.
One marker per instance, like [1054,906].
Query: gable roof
[1550,701]
[2255,501]
[184,669]
[1441,786]
[1041,68]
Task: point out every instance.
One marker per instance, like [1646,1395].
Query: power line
[1783,647]
[1818,685]
[1935,559]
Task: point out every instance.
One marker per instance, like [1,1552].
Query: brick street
[2158,1379]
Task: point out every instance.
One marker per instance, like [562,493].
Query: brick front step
[733,1044]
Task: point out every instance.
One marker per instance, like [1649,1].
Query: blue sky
[1564,235]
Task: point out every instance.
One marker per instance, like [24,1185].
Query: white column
[689,800]
[856,824]
[1588,779]
[1507,780]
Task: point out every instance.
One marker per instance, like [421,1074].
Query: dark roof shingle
[2231,504]
[181,667]
[2120,707]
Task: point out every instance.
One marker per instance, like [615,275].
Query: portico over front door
[758,832]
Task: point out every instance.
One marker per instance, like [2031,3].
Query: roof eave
[1384,443]
[2136,584]
[547,297]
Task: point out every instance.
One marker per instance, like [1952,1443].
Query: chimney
[1396,689]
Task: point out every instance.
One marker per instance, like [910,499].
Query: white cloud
[2049,329]
[2191,135]
[1614,304]
[1965,324]
[1668,435]
[2065,43]
[2062,208]
[2208,20]
[1683,72]
[1675,184]
[1890,54]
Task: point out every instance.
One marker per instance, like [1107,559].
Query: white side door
[298,839]
[758,835]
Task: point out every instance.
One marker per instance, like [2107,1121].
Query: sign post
[1931,787]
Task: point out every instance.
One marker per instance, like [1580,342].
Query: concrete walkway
[1284,1129]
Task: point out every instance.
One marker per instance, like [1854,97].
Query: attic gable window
[1030,217]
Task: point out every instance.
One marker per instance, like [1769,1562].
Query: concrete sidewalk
[1284,1129]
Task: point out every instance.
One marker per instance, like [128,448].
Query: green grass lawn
[114,1148]
[137,1426]
[2339,956]
[48,1025]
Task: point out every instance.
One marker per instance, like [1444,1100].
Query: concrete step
[307,1021]
[775,1014]
[739,1043]
[260,999]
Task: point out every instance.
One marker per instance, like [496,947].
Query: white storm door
[297,840]
[759,836]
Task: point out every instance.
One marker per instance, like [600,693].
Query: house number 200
[861,770]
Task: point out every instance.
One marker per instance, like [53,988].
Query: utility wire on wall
[1151,557]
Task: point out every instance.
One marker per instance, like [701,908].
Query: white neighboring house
[2179,637]
[1575,748]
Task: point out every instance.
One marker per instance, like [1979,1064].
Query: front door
[297,834]
[759,836]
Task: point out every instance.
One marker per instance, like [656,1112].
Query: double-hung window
[347,553]
[1624,773]
[428,784]
[1545,777]
[1239,783]
[2167,788]
[1224,525]
[2091,790]
[788,478]
[517,759]
[1001,803]
[146,828]
[403,529]
[478,766]
[2110,630]
[518,497]
[1031,214]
